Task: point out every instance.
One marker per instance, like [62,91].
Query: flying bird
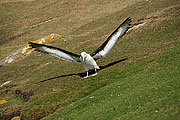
[88,60]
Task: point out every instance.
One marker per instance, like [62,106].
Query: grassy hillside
[139,79]
[146,90]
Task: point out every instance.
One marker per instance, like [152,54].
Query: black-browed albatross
[88,60]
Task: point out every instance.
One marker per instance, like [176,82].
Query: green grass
[148,90]
[145,86]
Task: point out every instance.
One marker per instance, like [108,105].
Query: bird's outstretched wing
[57,52]
[106,47]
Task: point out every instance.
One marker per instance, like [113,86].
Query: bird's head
[83,56]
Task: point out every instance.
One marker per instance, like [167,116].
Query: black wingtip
[129,18]
[127,21]
[33,45]
[30,44]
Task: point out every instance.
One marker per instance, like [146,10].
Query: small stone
[54,89]
[157,110]
[91,97]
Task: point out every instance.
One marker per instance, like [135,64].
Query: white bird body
[88,60]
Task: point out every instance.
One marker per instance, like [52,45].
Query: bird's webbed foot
[86,76]
[94,74]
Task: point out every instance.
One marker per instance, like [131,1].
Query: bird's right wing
[57,52]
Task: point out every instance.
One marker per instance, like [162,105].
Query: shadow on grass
[84,73]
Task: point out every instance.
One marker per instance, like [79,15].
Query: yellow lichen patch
[16,118]
[44,40]
[3,101]
[27,49]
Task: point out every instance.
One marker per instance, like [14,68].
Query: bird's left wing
[57,52]
[106,47]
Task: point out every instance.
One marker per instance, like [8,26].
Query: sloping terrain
[139,79]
